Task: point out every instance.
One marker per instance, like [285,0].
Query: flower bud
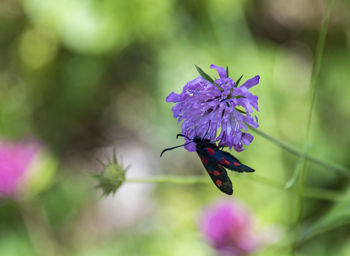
[112,177]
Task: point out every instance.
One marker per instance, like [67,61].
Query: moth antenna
[207,130]
[167,149]
[181,135]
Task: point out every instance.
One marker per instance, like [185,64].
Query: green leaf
[239,79]
[241,111]
[204,75]
[298,168]
[227,75]
[338,216]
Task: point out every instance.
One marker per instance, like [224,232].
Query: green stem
[267,181]
[301,192]
[313,86]
[312,233]
[315,193]
[297,169]
[171,179]
[325,194]
[317,63]
[38,227]
[295,151]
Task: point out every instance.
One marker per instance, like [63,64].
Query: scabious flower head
[230,229]
[15,159]
[207,106]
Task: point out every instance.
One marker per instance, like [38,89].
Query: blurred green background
[87,76]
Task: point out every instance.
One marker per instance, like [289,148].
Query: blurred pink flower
[15,158]
[230,229]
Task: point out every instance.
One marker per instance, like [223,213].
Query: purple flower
[231,230]
[15,159]
[204,107]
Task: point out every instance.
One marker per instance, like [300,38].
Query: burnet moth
[215,161]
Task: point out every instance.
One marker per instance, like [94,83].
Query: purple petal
[197,83]
[221,71]
[191,147]
[173,97]
[247,138]
[251,82]
[250,121]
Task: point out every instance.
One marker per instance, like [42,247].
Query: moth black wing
[216,172]
[226,159]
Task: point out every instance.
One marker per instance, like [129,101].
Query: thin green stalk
[315,73]
[185,180]
[318,60]
[40,232]
[292,238]
[295,151]
[314,193]
[298,168]
[301,191]
[311,234]
[171,179]
[326,194]
[267,181]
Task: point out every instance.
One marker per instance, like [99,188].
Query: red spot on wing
[224,161]
[205,161]
[210,151]
[236,164]
[216,173]
[218,182]
[227,162]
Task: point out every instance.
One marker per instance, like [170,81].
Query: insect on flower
[228,109]
[227,104]
[215,161]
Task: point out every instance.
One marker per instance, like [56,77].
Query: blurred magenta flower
[230,229]
[14,162]
[16,168]
[220,103]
